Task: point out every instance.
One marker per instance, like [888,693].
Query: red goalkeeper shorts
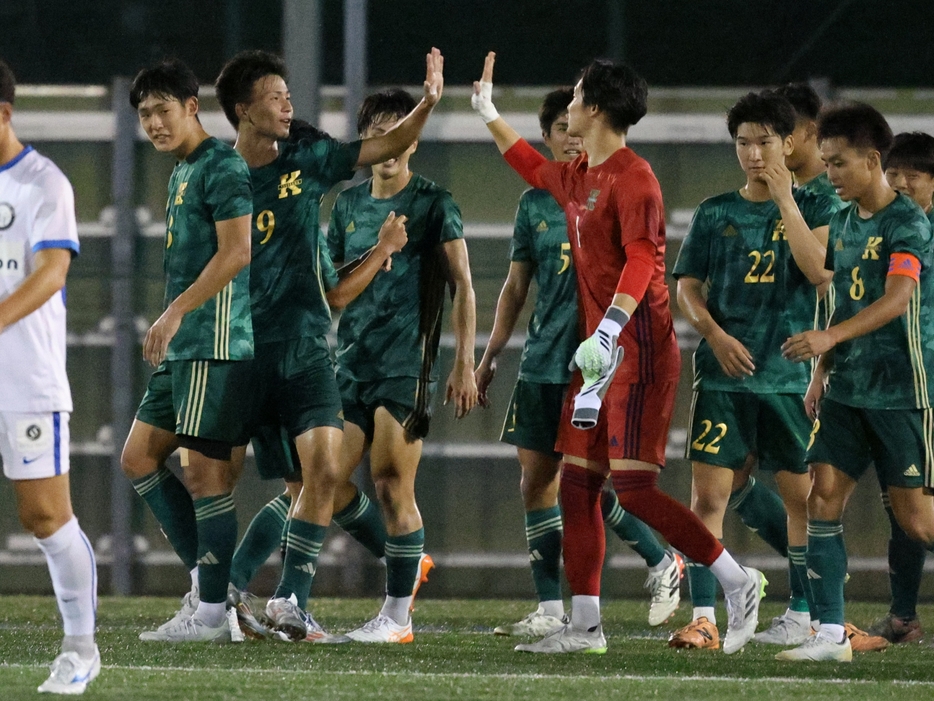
[633,423]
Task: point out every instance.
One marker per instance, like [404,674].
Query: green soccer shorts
[726,427]
[275,454]
[199,399]
[533,417]
[898,441]
[407,399]
[293,386]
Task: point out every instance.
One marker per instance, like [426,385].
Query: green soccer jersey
[821,186]
[892,367]
[212,184]
[757,293]
[540,237]
[393,328]
[290,268]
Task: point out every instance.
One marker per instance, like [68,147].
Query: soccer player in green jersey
[388,341]
[870,393]
[293,377]
[743,245]
[804,161]
[540,249]
[201,346]
[909,169]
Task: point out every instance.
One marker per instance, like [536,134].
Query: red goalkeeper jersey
[607,208]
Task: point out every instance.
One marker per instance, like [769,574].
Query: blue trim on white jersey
[16,159]
[58,243]
[57,439]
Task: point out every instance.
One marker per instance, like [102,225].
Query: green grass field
[454,656]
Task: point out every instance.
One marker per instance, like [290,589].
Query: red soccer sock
[584,537]
[639,494]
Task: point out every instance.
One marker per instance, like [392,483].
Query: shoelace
[374,624]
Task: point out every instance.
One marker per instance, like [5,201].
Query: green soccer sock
[826,561]
[217,539]
[543,532]
[802,599]
[631,530]
[171,504]
[362,520]
[762,511]
[906,566]
[261,539]
[303,544]
[403,553]
[703,585]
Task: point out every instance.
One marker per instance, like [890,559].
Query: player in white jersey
[38,239]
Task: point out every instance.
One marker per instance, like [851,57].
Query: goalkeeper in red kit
[619,407]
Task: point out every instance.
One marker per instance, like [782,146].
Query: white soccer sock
[833,631]
[708,612]
[397,608]
[585,612]
[82,644]
[213,615]
[666,562]
[74,576]
[194,578]
[554,608]
[728,572]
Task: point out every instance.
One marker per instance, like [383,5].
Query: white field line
[470,675]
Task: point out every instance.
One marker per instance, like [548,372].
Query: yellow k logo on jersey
[778,233]
[872,248]
[180,193]
[290,184]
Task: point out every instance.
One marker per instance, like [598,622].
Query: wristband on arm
[483,103]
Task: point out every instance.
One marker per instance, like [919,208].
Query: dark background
[680,42]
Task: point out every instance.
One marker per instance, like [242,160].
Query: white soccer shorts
[34,446]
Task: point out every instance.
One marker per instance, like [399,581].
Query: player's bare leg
[539,487]
[826,558]
[318,450]
[143,461]
[636,485]
[44,508]
[394,459]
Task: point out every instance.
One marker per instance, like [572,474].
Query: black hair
[862,125]
[393,103]
[617,91]
[767,109]
[914,150]
[169,78]
[7,83]
[803,98]
[553,106]
[235,82]
[300,130]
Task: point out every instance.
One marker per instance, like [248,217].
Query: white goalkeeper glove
[483,103]
[595,355]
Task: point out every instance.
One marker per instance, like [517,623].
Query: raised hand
[434,77]
[482,99]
